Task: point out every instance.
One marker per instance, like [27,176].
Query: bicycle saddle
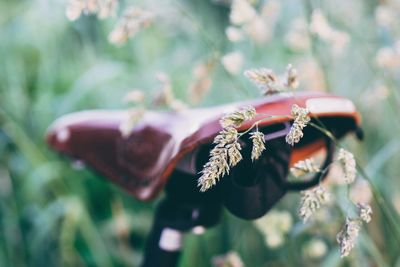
[163,141]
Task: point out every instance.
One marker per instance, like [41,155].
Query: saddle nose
[94,138]
[79,133]
[91,137]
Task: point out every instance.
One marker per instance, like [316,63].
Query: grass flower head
[236,118]
[258,144]
[364,212]
[133,20]
[347,236]
[224,155]
[301,119]
[311,201]
[348,164]
[304,167]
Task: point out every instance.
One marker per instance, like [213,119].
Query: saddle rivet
[63,135]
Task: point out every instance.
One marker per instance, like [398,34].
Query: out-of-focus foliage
[52,214]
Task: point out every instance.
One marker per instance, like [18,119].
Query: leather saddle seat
[142,162]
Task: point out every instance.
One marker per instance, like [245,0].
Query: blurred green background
[52,214]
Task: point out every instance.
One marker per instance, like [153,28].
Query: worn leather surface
[142,163]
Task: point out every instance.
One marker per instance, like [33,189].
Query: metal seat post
[182,210]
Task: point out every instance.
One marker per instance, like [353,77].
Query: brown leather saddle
[165,141]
